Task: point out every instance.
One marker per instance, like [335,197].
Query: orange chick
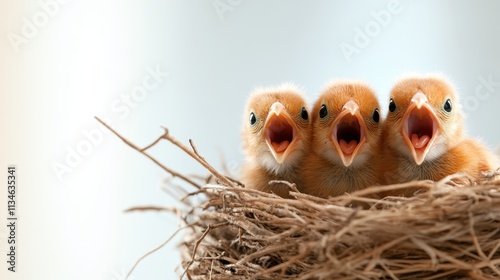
[424,134]
[276,136]
[346,141]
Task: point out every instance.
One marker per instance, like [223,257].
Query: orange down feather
[276,136]
[346,143]
[424,137]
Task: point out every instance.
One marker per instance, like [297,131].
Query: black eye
[304,114]
[323,111]
[447,105]
[376,116]
[253,119]
[392,105]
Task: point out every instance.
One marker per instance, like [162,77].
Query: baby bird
[424,135]
[346,141]
[276,136]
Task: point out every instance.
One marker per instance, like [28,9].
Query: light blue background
[92,53]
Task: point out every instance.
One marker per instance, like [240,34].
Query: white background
[89,55]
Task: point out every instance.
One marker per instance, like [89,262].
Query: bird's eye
[447,105]
[376,116]
[303,114]
[253,119]
[392,105]
[323,111]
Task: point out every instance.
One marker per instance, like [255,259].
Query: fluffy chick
[424,134]
[276,136]
[346,141]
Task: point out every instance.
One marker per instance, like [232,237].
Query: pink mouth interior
[279,133]
[420,128]
[348,134]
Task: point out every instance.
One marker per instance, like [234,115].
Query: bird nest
[445,230]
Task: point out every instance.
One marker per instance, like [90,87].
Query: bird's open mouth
[420,129]
[280,133]
[348,133]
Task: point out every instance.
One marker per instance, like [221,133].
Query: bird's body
[323,179]
[346,143]
[424,137]
[468,157]
[258,178]
[276,137]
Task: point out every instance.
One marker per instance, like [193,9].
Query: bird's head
[276,129]
[424,119]
[346,123]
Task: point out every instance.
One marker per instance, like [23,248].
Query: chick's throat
[348,133]
[280,132]
[420,127]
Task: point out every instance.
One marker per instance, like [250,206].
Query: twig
[194,154]
[197,243]
[235,181]
[479,250]
[152,144]
[152,208]
[292,186]
[157,248]
[142,151]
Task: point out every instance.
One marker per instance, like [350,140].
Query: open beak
[348,132]
[280,132]
[420,127]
